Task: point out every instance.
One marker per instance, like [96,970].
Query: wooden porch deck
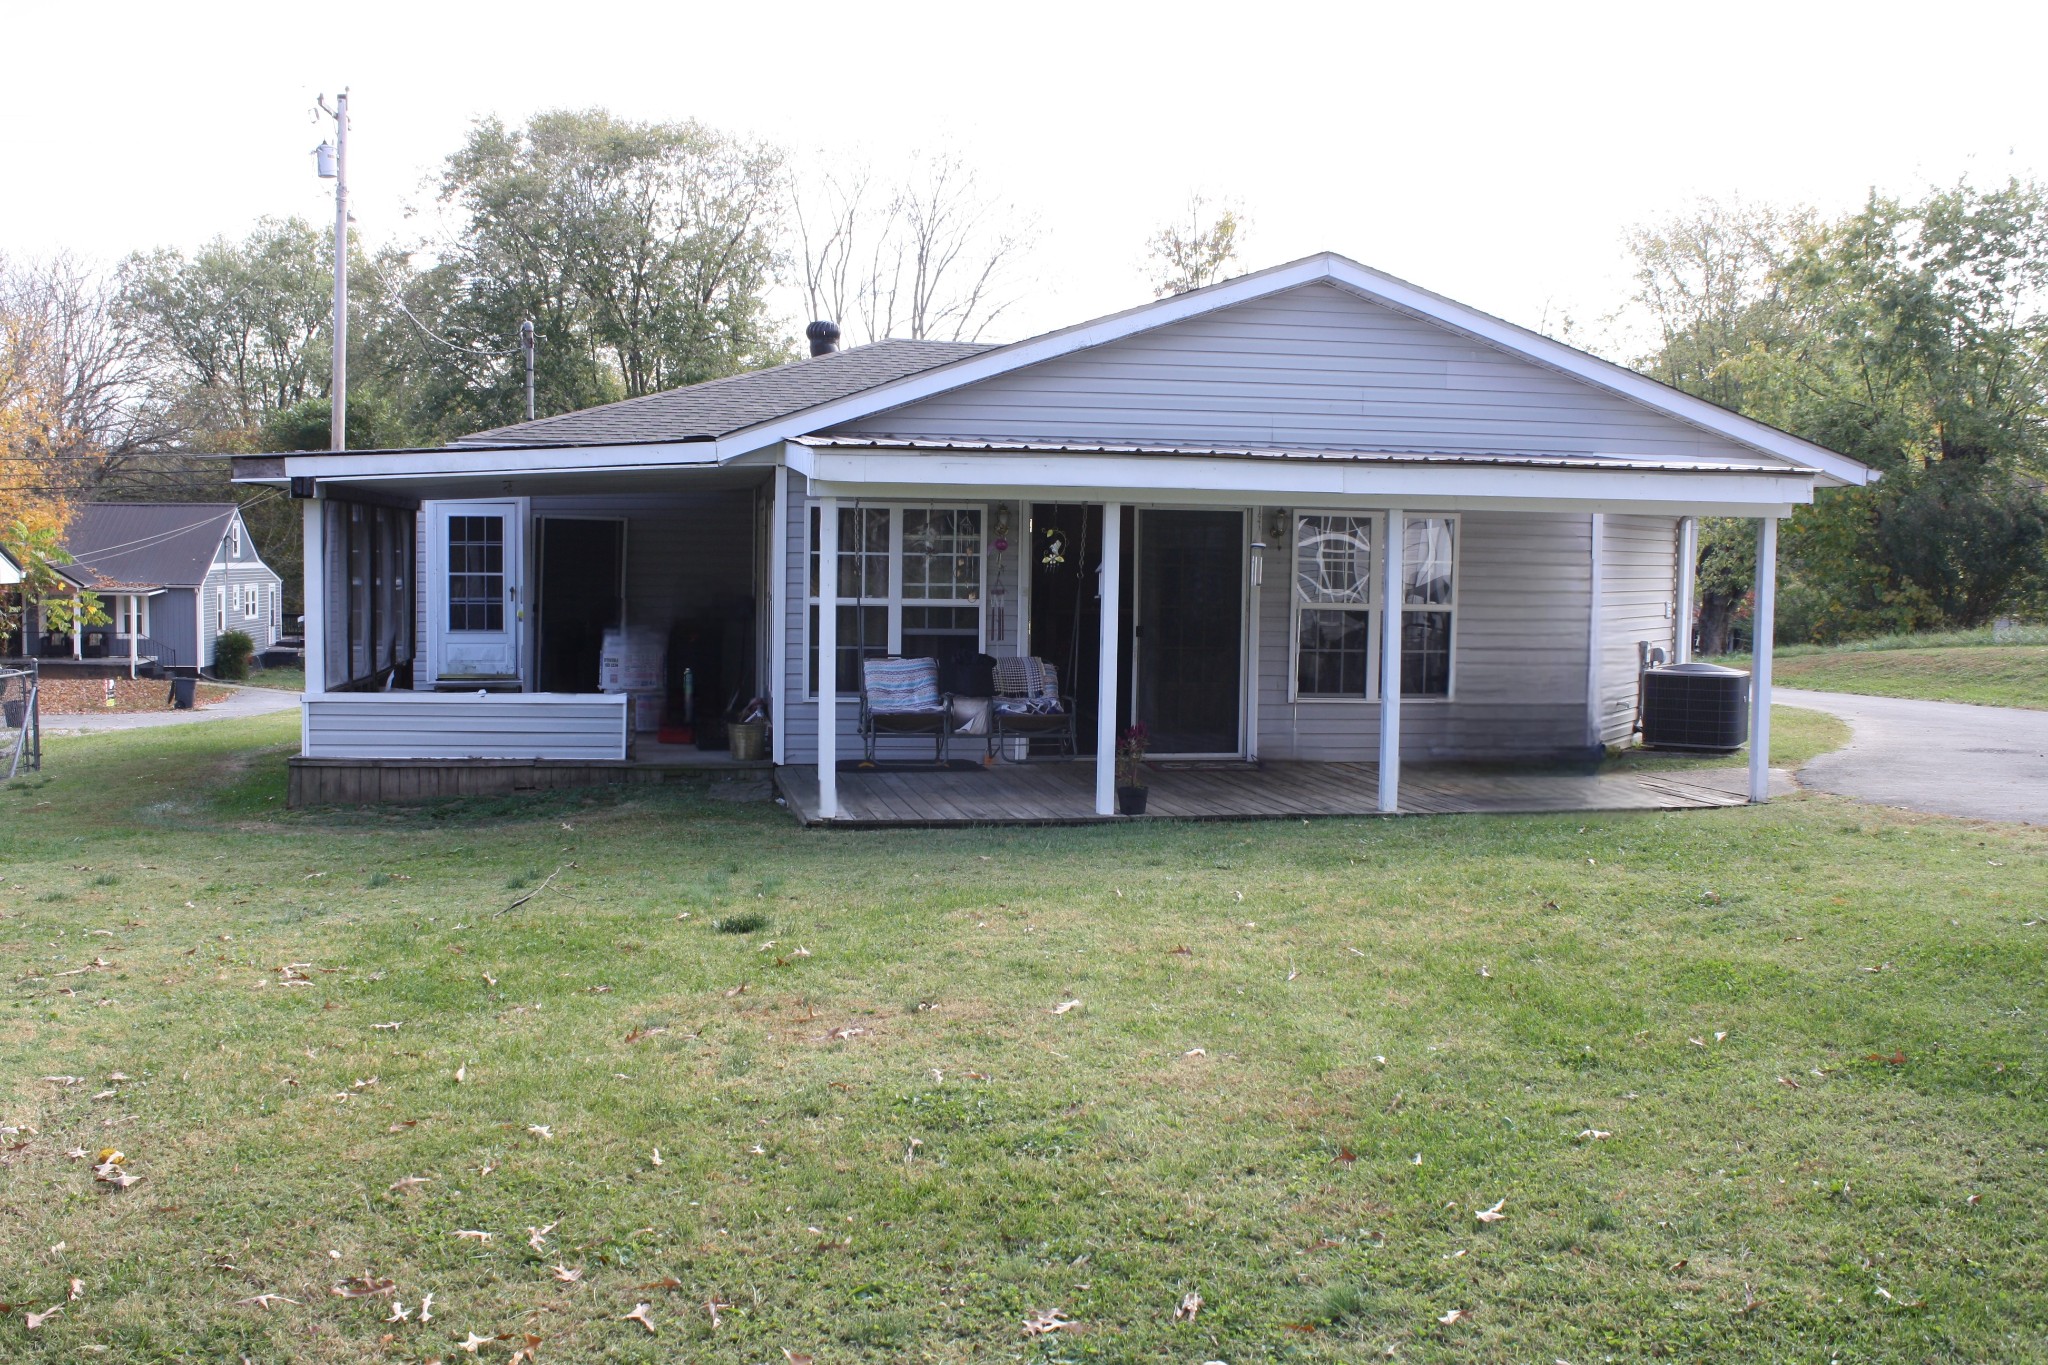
[1064,793]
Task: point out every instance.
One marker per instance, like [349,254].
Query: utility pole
[333,165]
[526,345]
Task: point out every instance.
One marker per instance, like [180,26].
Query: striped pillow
[897,686]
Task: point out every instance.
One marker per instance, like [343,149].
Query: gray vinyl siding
[173,618]
[800,711]
[408,725]
[1519,643]
[1313,368]
[234,566]
[1640,573]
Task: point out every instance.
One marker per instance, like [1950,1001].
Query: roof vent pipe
[824,337]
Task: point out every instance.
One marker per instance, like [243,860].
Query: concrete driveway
[1940,757]
[245,701]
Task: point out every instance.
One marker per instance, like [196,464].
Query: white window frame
[1375,628]
[895,600]
[252,601]
[234,537]
[130,612]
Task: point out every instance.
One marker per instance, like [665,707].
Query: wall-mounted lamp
[1277,524]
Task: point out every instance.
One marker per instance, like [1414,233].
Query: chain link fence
[21,722]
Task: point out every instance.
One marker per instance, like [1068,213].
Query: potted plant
[1130,770]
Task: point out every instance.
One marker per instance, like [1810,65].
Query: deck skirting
[364,781]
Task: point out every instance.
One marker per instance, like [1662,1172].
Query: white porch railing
[466,725]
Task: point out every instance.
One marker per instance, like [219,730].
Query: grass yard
[284,679]
[1760,1084]
[2008,668]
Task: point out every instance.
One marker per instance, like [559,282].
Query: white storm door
[477,593]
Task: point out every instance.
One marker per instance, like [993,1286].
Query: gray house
[173,576]
[1315,524]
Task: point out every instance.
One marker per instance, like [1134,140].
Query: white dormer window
[234,538]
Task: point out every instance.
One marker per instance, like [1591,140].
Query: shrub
[231,654]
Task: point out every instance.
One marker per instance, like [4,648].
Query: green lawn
[1972,666]
[1797,735]
[1753,1084]
[289,679]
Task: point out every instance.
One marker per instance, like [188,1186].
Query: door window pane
[476,573]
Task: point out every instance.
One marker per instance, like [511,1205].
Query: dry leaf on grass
[796,1357]
[265,1300]
[711,1306]
[535,1236]
[639,1315]
[1066,1005]
[1048,1322]
[568,1276]
[473,1342]
[363,1287]
[1594,1135]
[462,1073]
[1190,1305]
[399,1312]
[540,1130]
[387,1028]
[77,1289]
[473,1234]
[1454,1317]
[405,1183]
[1492,1215]
[36,1320]
[657,1156]
[427,1308]
[665,1282]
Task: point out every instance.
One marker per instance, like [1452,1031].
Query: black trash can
[183,692]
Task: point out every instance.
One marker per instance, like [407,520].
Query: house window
[234,538]
[252,601]
[131,617]
[1338,560]
[476,573]
[909,583]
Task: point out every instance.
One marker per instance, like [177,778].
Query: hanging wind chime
[997,627]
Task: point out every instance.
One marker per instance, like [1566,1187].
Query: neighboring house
[1281,482]
[172,577]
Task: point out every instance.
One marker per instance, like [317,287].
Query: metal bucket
[749,740]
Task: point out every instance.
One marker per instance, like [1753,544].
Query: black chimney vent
[824,337]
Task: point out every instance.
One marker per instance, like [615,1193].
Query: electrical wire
[457,347]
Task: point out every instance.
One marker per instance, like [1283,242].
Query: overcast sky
[1495,156]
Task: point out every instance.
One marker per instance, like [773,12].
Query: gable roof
[1327,268]
[10,572]
[145,544]
[719,407]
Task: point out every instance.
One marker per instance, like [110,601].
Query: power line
[460,349]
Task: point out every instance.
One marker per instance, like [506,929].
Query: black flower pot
[1130,800]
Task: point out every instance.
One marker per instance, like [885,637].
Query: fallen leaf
[1492,1215]
[568,1276]
[1750,1302]
[427,1308]
[1190,1304]
[665,1282]
[1676,1265]
[1788,1082]
[1483,972]
[363,1287]
[399,1312]
[736,991]
[406,1182]
[265,1300]
[483,1238]
[1594,1135]
[387,1028]
[712,1305]
[1345,1156]
[657,1156]
[795,1357]
[35,1320]
[1066,1005]
[77,1289]
[462,1073]
[1454,1317]
[535,1236]
[1048,1322]
[540,1130]
[475,1341]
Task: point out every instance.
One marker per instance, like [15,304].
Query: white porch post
[312,513]
[1390,665]
[777,583]
[1760,673]
[134,633]
[1596,573]
[828,658]
[1688,572]
[77,625]
[1111,583]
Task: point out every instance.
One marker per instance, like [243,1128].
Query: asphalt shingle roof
[146,544]
[719,407]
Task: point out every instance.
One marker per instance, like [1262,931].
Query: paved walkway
[245,702]
[1940,757]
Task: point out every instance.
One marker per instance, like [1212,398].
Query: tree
[1194,253]
[642,252]
[931,257]
[238,330]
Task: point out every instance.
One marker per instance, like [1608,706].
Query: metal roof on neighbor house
[145,544]
[719,407]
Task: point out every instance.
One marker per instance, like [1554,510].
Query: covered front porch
[1064,793]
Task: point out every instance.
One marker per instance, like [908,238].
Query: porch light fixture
[1276,526]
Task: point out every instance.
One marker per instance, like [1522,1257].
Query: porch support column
[1111,585]
[1760,673]
[77,625]
[134,633]
[1390,666]
[828,658]
[1688,574]
[312,512]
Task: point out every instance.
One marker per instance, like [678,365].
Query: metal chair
[902,697]
[1028,705]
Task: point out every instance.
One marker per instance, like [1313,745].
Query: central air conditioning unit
[1698,707]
